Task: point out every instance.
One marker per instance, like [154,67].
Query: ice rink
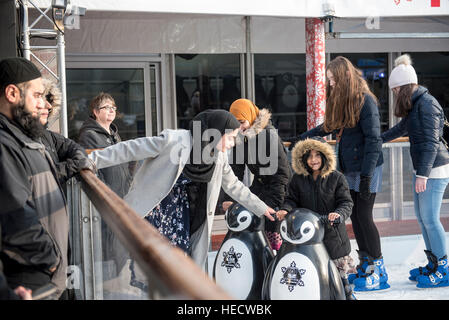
[401,253]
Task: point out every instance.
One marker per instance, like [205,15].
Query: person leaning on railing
[173,152]
[68,156]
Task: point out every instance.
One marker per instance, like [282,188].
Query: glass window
[432,69]
[375,71]
[126,87]
[153,100]
[280,85]
[205,81]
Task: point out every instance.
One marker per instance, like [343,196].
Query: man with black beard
[33,211]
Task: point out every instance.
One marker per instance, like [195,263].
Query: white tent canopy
[279,8]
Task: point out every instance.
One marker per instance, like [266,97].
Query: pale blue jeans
[427,211]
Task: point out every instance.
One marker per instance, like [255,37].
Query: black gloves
[82,161]
[364,188]
[87,163]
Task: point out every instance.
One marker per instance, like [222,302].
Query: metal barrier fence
[169,272]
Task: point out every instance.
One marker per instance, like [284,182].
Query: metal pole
[26,31]
[62,84]
[250,94]
[396,165]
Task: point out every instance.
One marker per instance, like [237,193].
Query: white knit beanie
[403,73]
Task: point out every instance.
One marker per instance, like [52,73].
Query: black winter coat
[6,293]
[69,157]
[94,136]
[329,193]
[33,210]
[360,147]
[270,188]
[424,126]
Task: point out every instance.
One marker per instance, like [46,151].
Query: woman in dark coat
[317,186]
[423,121]
[269,166]
[352,113]
[98,132]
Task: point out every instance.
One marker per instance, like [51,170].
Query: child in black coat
[317,186]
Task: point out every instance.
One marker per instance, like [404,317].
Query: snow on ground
[401,254]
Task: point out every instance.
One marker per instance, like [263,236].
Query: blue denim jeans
[427,211]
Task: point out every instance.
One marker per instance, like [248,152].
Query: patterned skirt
[353,179]
[171,216]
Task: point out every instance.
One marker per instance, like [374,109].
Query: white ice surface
[401,253]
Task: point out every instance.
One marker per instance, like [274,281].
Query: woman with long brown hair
[352,113]
[423,121]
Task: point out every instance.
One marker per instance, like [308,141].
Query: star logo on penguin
[231,259]
[291,276]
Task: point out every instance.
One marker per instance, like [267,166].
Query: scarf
[244,109]
[197,169]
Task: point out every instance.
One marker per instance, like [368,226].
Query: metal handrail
[332,142]
[167,268]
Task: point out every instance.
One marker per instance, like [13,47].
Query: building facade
[162,69]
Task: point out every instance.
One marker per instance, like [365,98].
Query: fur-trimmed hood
[303,147]
[50,87]
[261,122]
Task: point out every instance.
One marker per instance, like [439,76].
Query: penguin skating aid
[244,255]
[302,269]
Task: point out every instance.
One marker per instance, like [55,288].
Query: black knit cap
[17,70]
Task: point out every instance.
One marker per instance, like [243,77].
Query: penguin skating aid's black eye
[243,219]
[306,230]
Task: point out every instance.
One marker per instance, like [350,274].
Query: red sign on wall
[433,3]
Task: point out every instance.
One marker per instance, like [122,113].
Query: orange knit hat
[244,109]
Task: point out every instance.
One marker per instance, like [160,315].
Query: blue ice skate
[426,270]
[376,277]
[363,264]
[437,278]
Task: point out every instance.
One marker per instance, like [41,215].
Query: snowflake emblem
[291,276]
[231,259]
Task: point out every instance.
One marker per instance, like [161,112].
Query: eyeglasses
[113,108]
